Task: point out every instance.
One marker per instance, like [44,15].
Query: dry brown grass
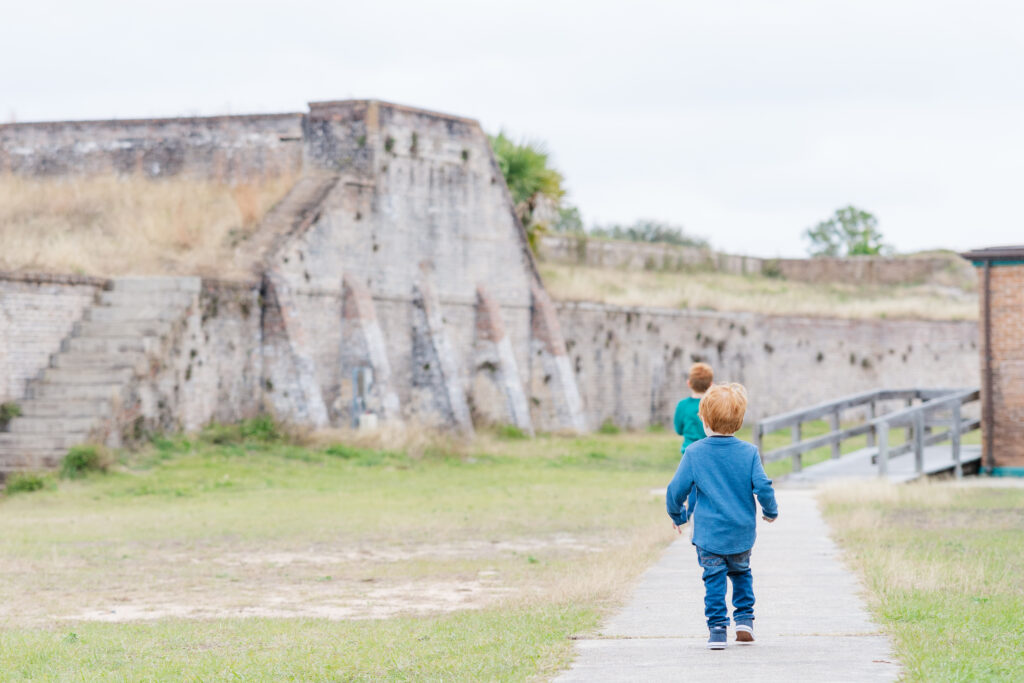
[881,510]
[726,292]
[109,225]
[410,437]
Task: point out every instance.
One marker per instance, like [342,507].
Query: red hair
[723,406]
[701,377]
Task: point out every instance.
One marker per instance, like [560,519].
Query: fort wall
[631,364]
[870,270]
[219,147]
[397,273]
[419,204]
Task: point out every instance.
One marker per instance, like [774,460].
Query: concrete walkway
[811,623]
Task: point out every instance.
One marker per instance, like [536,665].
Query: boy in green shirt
[686,421]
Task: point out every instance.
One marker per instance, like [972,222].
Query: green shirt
[686,422]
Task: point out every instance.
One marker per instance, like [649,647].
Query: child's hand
[769,519]
[679,529]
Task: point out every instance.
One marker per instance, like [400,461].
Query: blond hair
[701,376]
[723,406]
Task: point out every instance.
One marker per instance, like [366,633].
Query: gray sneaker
[745,631]
[718,638]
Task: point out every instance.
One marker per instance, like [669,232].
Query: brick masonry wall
[1007,297]
[600,253]
[220,147]
[631,364]
[37,311]
[214,369]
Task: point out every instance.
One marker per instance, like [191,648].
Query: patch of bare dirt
[364,581]
[346,600]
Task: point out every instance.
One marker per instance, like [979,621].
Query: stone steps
[42,442]
[130,329]
[78,375]
[118,297]
[82,359]
[142,312]
[72,398]
[42,407]
[109,346]
[295,211]
[29,457]
[52,425]
[74,392]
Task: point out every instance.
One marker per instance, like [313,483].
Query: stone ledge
[223,118]
[40,278]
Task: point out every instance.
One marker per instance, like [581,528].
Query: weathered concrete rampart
[631,363]
[419,206]
[221,147]
[394,282]
[223,359]
[873,270]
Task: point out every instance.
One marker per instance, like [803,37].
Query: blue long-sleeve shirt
[727,474]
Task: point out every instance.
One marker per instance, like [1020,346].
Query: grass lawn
[245,556]
[256,559]
[945,568]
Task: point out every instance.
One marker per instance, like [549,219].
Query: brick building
[1001,275]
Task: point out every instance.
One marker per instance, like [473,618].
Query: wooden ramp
[935,421]
[861,465]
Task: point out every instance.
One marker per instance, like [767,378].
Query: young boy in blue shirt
[686,421]
[727,475]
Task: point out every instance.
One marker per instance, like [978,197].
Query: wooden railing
[920,422]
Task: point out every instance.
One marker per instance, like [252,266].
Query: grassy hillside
[126,225]
[726,292]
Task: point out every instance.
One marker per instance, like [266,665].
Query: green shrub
[25,482]
[8,411]
[220,434]
[262,429]
[656,428]
[340,450]
[81,460]
[368,457]
[771,268]
[511,433]
[608,427]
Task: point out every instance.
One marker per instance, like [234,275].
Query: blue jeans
[716,569]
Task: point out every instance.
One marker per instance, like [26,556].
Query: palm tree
[530,180]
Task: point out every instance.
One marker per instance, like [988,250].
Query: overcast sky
[745,121]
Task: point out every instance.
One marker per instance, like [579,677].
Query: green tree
[536,188]
[849,232]
[569,220]
[646,230]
